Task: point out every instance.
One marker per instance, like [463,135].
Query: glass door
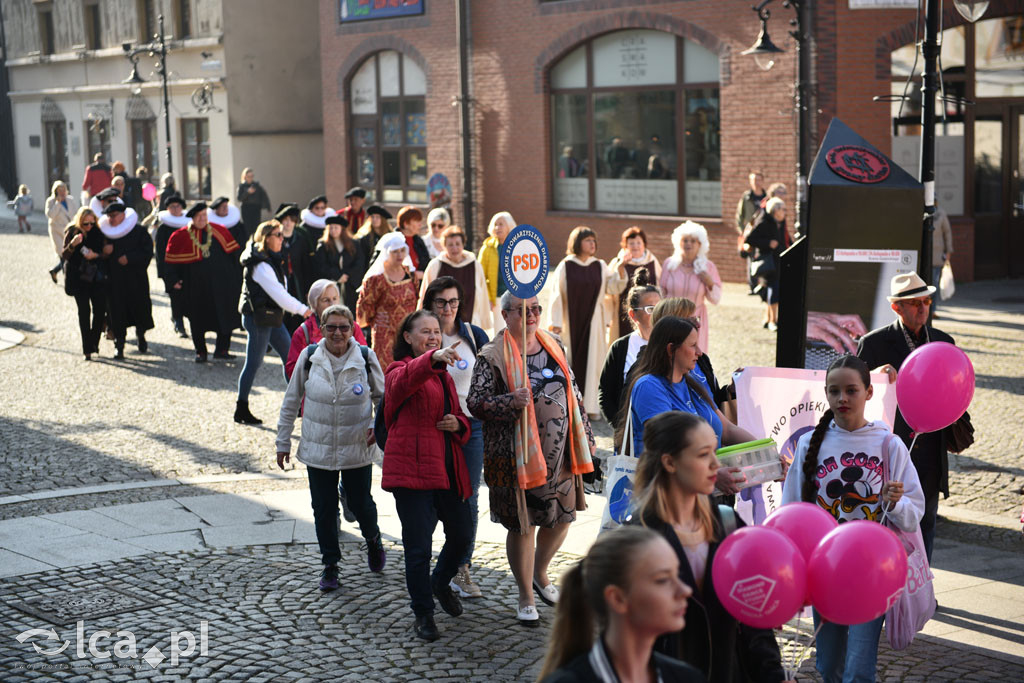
[990,195]
[1016,198]
[56,152]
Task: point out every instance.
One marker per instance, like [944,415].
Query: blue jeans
[256,347]
[419,512]
[323,490]
[847,654]
[474,454]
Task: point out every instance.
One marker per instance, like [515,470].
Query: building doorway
[998,190]
[56,152]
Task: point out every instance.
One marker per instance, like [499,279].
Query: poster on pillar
[784,404]
[865,220]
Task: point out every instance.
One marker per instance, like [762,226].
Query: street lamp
[157,47]
[763,51]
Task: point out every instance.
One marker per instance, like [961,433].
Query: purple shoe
[375,555]
[329,578]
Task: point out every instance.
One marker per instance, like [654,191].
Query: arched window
[389,128]
[635,126]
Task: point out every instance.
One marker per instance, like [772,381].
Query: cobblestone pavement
[68,423]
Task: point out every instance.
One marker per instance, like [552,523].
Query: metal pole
[462,40]
[929,86]
[803,108]
[167,99]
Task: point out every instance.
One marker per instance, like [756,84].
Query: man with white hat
[885,349]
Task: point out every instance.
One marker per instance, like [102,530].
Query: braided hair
[809,490]
[641,285]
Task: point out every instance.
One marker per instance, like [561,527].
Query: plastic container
[758,461]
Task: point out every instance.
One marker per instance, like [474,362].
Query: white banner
[784,404]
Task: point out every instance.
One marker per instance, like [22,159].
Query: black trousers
[323,490]
[199,340]
[92,302]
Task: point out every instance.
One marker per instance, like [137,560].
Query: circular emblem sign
[524,262]
[859,164]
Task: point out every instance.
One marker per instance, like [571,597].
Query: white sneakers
[463,585]
[549,593]
[528,616]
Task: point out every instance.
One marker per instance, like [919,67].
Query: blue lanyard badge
[357,389]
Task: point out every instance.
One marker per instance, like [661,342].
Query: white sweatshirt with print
[850,475]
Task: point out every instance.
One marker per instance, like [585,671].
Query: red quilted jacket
[413,404]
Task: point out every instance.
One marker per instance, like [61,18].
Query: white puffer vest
[336,414]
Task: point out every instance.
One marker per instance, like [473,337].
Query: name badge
[358,390]
[547,373]
[462,364]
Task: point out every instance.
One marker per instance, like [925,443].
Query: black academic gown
[128,291]
[297,260]
[888,345]
[166,273]
[208,290]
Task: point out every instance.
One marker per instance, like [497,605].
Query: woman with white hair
[437,220]
[765,240]
[688,273]
[498,229]
[60,210]
[388,294]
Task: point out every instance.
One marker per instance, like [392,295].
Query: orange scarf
[531,468]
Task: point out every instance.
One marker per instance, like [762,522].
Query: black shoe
[222,355]
[426,629]
[53,275]
[143,344]
[201,358]
[119,355]
[376,558]
[448,600]
[88,356]
[179,328]
[243,416]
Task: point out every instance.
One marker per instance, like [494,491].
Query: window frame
[373,122]
[55,150]
[92,25]
[590,91]
[102,128]
[47,34]
[201,123]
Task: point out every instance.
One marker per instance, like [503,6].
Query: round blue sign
[462,364]
[358,390]
[548,373]
[524,262]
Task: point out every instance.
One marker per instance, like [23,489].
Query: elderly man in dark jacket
[885,349]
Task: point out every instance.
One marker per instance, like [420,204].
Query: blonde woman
[689,274]
[85,252]
[584,280]
[60,209]
[498,229]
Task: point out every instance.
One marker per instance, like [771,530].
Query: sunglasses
[646,309]
[343,329]
[917,303]
[437,225]
[91,224]
[276,234]
[535,310]
[446,303]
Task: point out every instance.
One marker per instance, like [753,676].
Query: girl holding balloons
[840,467]
[675,477]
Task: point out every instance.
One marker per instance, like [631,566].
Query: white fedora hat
[908,286]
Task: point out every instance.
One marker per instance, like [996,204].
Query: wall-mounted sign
[884,4]
[34,141]
[362,10]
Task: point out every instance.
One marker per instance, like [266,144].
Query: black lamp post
[157,47]
[763,51]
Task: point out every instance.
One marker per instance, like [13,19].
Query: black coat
[74,262]
[723,649]
[669,670]
[330,265]
[297,253]
[128,294]
[766,229]
[888,345]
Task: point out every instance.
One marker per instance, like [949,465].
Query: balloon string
[912,442]
[805,650]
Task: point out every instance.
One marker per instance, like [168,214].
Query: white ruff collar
[97,206]
[467,260]
[310,218]
[229,221]
[126,226]
[167,218]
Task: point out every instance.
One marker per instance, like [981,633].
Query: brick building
[611,113]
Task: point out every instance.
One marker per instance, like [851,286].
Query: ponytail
[809,490]
[573,631]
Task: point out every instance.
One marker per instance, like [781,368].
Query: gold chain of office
[203,247]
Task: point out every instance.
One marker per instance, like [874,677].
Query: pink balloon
[856,572]
[934,387]
[760,576]
[149,192]
[803,523]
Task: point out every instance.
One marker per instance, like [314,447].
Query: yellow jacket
[488,259]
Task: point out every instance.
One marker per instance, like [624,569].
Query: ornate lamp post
[157,47]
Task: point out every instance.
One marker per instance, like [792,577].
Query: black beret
[336,220]
[356,192]
[379,210]
[316,200]
[175,199]
[109,193]
[196,208]
[285,210]
[218,201]
[114,207]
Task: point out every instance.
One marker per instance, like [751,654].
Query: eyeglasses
[646,309]
[535,310]
[446,303]
[917,303]
[343,329]
[91,224]
[278,235]
[437,225]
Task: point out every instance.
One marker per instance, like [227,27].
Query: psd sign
[524,262]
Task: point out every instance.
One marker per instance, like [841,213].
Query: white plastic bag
[947,287]
[620,471]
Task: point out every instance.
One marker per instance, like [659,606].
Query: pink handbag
[911,610]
